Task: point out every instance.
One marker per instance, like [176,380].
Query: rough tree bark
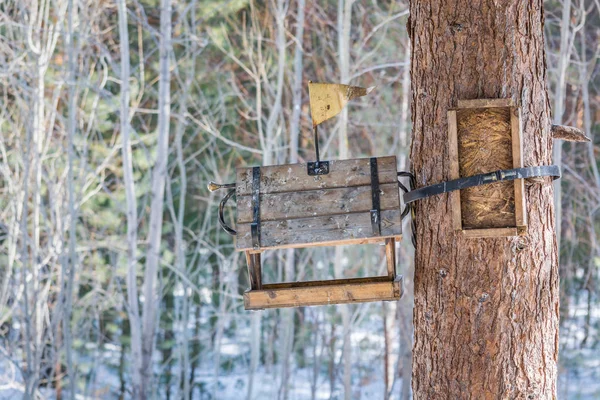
[486,310]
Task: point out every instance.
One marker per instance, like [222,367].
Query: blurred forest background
[116,279]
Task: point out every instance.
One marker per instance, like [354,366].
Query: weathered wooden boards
[484,135]
[333,209]
[294,209]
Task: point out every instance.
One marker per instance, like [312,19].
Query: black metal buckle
[375,194]
[255,225]
[317,168]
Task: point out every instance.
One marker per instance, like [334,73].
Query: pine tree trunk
[486,310]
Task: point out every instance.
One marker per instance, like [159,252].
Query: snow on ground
[579,371]
[581,381]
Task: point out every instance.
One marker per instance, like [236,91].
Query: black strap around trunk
[482,179]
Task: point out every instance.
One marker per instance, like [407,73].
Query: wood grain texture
[454,170]
[344,281]
[485,103]
[485,310]
[321,231]
[489,233]
[330,292]
[253,260]
[390,256]
[485,145]
[309,203]
[345,242]
[293,177]
[519,184]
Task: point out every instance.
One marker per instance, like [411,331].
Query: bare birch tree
[159,175]
[131,207]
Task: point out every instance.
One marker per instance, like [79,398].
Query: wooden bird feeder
[319,203]
[282,206]
[485,136]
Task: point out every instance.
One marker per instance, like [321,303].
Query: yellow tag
[328,99]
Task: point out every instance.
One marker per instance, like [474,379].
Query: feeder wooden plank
[490,233]
[343,281]
[289,205]
[324,230]
[331,292]
[345,242]
[517,145]
[294,177]
[390,256]
[454,170]
[485,103]
[254,270]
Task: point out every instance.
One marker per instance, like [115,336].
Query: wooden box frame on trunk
[282,206]
[484,136]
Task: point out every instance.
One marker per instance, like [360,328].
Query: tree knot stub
[568,133]
[456,27]
[522,243]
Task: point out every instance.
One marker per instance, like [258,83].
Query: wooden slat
[324,230]
[485,103]
[293,177]
[346,281]
[490,233]
[331,293]
[254,270]
[519,184]
[277,206]
[454,170]
[390,257]
[345,242]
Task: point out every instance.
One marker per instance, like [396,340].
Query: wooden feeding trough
[282,206]
[485,136]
